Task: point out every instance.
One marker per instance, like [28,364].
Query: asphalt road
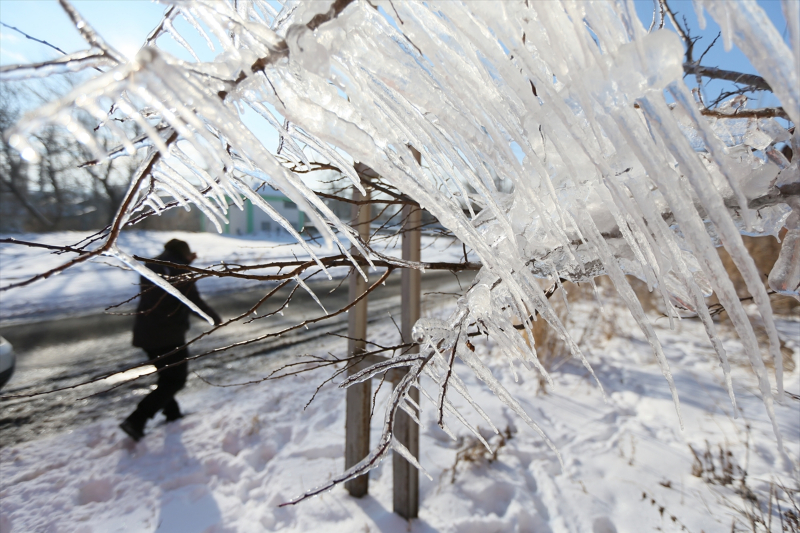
[73,350]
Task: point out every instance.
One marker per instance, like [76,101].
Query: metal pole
[358,396]
[405,476]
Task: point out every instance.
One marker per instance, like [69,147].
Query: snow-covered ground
[628,466]
[96,284]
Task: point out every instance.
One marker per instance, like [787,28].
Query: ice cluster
[558,140]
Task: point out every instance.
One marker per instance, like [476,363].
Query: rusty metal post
[358,396]
[406,476]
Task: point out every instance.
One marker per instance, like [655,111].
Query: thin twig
[751,80]
[288,329]
[54,47]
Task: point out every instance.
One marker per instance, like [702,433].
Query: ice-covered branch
[752,80]
[88,33]
[765,112]
[386,441]
[54,47]
[240,271]
[67,63]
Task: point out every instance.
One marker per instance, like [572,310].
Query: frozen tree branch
[236,271]
[54,47]
[766,112]
[67,63]
[88,33]
[753,81]
[386,440]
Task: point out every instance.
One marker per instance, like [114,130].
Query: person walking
[160,329]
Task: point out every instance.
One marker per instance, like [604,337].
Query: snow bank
[92,286]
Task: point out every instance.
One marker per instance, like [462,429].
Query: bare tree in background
[61,191]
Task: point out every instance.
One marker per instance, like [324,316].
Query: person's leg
[172,410]
[177,379]
[170,381]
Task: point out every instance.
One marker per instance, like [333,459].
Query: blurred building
[251,220]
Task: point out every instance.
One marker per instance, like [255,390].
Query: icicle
[402,450]
[784,278]
[179,39]
[485,375]
[256,200]
[629,297]
[156,280]
[728,233]
[310,292]
[448,406]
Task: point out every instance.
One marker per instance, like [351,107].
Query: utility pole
[405,476]
[359,396]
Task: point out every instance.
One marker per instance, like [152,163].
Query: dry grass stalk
[473,452]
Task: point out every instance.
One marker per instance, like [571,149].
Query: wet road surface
[66,352]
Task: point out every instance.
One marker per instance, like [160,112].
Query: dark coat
[161,319]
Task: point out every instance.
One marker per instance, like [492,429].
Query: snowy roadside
[90,287]
[245,450]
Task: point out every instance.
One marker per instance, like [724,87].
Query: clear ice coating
[567,123]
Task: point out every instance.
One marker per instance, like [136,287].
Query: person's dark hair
[179,248]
